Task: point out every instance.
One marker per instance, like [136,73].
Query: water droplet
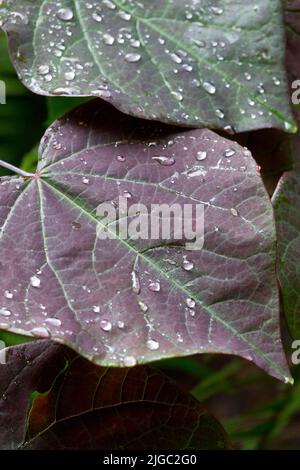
[53,321]
[136,286]
[220,113]
[35,281]
[190,303]
[124,15]
[201,155]
[176,58]
[40,332]
[70,75]
[43,69]
[144,307]
[105,325]
[152,345]
[76,225]
[108,39]
[96,17]
[127,194]
[187,265]
[121,158]
[165,161]
[131,57]
[109,4]
[8,294]
[129,361]
[5,312]
[209,87]
[177,95]
[65,14]
[229,153]
[154,286]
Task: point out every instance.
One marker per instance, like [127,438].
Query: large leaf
[286,201]
[287,196]
[209,63]
[116,409]
[122,302]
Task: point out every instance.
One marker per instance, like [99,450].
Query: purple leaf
[119,301]
[286,202]
[201,64]
[129,409]
[286,199]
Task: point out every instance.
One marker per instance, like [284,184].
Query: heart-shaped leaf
[132,409]
[215,64]
[122,301]
[286,202]
[286,199]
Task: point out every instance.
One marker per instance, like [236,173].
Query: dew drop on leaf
[136,286]
[105,325]
[35,281]
[129,361]
[201,155]
[165,161]
[40,332]
[229,153]
[154,286]
[65,14]
[209,87]
[8,294]
[132,57]
[5,312]
[152,345]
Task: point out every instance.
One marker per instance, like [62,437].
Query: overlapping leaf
[287,196]
[287,208]
[210,63]
[122,302]
[116,409]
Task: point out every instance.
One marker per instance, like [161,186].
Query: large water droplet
[65,14]
[165,161]
[132,57]
[43,69]
[190,303]
[40,332]
[35,281]
[136,286]
[8,294]
[154,286]
[144,307]
[5,312]
[209,87]
[201,155]
[108,39]
[187,265]
[105,325]
[152,345]
[229,153]
[53,322]
[129,361]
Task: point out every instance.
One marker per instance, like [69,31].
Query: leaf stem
[13,168]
